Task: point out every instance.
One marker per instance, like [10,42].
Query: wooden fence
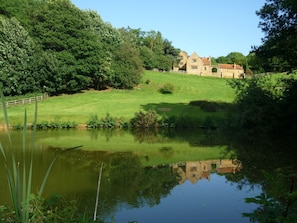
[25,101]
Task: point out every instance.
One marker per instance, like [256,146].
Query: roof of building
[230,66]
[206,61]
[194,54]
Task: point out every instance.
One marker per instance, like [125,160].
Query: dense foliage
[127,67]
[155,51]
[264,106]
[279,23]
[52,46]
[16,58]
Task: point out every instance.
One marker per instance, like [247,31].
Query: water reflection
[270,162]
[143,184]
[194,171]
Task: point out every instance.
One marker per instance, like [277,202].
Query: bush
[145,120]
[256,109]
[167,88]
[55,125]
[107,122]
[167,122]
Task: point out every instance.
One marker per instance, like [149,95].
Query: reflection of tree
[146,135]
[278,202]
[107,133]
[265,162]
[126,182]
[156,182]
[195,137]
[261,154]
[124,179]
[136,185]
[124,174]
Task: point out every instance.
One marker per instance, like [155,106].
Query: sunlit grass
[124,103]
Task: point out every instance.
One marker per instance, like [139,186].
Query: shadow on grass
[211,106]
[199,106]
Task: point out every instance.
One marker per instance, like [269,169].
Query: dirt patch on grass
[165,109]
[81,126]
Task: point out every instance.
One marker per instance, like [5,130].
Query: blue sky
[210,27]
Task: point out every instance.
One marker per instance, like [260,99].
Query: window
[193,169]
[194,60]
[194,67]
[213,166]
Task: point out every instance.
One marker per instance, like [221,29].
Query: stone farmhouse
[202,66]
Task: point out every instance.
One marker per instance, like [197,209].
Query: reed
[19,173]
[97,195]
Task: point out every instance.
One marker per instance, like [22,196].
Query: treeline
[264,105]
[52,46]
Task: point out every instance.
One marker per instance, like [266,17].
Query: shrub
[145,120]
[55,125]
[108,122]
[167,122]
[93,121]
[167,88]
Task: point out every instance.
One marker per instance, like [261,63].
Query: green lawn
[124,103]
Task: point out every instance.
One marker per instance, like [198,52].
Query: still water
[147,177]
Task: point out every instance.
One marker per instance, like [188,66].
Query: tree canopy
[62,49]
[279,23]
[16,58]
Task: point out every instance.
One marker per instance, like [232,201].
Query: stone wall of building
[202,66]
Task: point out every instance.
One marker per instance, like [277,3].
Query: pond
[188,176]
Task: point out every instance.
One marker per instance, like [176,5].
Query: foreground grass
[124,103]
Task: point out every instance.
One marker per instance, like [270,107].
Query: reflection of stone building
[202,66]
[194,171]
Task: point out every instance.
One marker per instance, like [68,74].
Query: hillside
[124,103]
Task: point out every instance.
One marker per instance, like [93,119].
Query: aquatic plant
[20,173]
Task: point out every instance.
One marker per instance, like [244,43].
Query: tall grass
[20,173]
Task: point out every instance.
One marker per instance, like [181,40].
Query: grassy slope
[124,103]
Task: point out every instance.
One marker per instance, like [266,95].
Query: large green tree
[279,23]
[264,106]
[155,51]
[110,39]
[74,49]
[223,59]
[62,29]
[20,9]
[16,58]
[127,67]
[236,57]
